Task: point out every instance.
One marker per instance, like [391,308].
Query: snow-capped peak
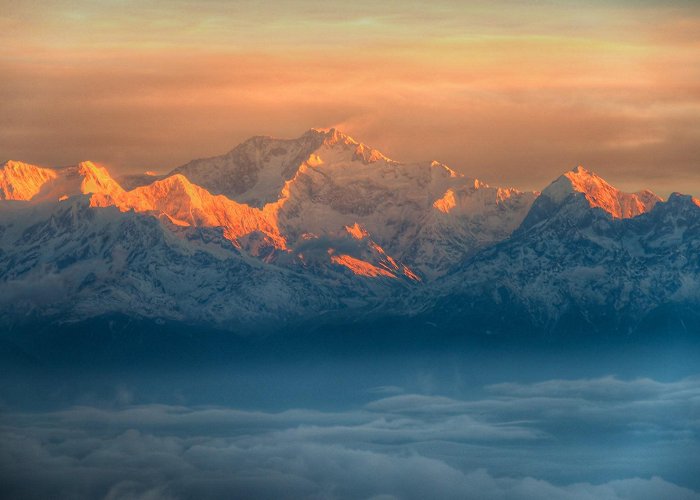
[23,181]
[96,180]
[256,171]
[600,194]
[335,138]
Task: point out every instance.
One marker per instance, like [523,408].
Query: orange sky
[510,92]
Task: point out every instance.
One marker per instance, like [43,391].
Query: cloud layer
[582,439]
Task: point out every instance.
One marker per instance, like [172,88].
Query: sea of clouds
[583,439]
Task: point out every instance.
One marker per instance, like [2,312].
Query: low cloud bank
[553,439]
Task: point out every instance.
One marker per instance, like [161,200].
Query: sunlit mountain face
[361,250]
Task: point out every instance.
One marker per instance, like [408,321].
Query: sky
[511,92]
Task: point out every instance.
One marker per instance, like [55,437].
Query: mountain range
[323,228]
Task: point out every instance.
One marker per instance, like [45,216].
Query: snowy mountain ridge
[281,229]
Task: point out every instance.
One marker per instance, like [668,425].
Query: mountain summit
[575,193]
[256,171]
[23,181]
[598,193]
